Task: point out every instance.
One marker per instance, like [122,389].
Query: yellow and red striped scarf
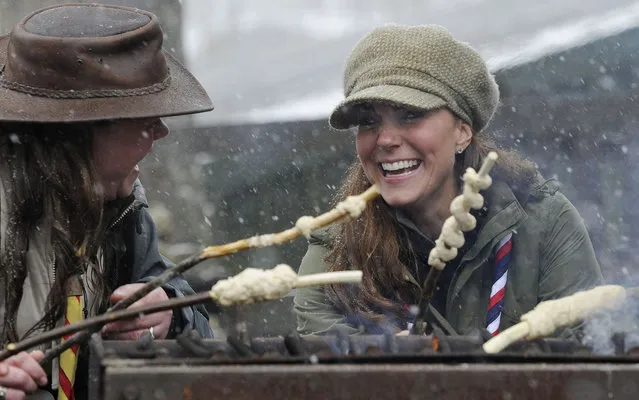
[69,359]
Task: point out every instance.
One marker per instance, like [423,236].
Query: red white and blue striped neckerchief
[502,253]
[503,250]
[470,238]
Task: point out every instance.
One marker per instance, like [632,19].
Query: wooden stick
[322,220]
[430,283]
[101,320]
[428,290]
[550,315]
[329,277]
[172,304]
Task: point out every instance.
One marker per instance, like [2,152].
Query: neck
[430,213]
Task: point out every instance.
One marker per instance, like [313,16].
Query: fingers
[14,394]
[133,329]
[126,290]
[16,378]
[132,325]
[155,296]
[128,335]
[37,355]
[29,363]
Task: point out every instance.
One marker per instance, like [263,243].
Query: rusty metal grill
[358,367]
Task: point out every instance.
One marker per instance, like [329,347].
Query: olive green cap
[417,66]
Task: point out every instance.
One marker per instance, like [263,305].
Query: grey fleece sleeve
[315,314]
[149,263]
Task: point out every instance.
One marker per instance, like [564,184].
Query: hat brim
[342,116]
[184,95]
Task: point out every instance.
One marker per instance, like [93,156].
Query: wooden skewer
[175,303]
[550,315]
[326,278]
[322,220]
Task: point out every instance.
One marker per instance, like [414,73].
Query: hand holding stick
[249,286]
[350,208]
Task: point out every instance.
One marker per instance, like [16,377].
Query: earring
[460,150]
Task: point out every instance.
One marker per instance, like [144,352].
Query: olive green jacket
[552,257]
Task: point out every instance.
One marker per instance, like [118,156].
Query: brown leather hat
[88,62]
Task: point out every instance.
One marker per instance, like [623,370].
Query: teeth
[394,166]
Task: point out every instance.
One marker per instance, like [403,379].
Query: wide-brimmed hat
[88,62]
[417,66]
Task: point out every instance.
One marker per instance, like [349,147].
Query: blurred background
[567,70]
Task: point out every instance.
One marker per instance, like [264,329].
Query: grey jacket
[131,251]
[552,257]
[132,246]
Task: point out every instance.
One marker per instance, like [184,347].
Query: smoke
[601,330]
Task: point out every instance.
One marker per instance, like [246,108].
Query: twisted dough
[352,206]
[253,284]
[305,225]
[460,221]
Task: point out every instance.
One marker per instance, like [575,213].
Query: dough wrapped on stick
[350,208]
[550,315]
[250,286]
[452,235]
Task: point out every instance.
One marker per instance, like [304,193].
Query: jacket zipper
[126,212]
[85,297]
[52,275]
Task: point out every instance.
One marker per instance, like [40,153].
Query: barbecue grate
[358,367]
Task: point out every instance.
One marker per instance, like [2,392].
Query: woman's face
[410,153]
[118,147]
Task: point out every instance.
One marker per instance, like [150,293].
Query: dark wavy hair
[377,245]
[50,182]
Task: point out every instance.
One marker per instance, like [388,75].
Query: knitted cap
[418,66]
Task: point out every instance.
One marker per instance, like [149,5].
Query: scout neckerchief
[69,358]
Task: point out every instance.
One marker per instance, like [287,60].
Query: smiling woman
[420,102]
[411,155]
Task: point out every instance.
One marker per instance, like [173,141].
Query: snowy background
[568,73]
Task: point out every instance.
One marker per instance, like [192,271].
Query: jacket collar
[504,215]
[403,220]
[114,211]
[139,195]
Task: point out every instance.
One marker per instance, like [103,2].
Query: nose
[389,136]
[159,130]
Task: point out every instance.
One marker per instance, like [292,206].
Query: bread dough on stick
[460,221]
[550,315]
[254,284]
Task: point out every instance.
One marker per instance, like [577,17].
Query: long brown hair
[376,244]
[47,171]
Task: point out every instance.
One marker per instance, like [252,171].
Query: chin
[398,200]
[124,192]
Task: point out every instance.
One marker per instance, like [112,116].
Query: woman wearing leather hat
[82,91]
[419,101]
